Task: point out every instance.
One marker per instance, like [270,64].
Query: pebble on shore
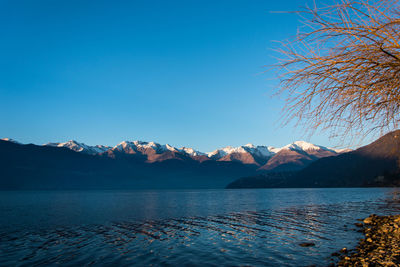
[381,245]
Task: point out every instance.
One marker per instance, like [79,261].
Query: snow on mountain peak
[10,140]
[230,149]
[170,148]
[341,150]
[260,151]
[306,146]
[122,144]
[101,148]
[303,146]
[71,144]
[226,151]
[191,151]
[125,145]
[263,151]
[81,147]
[142,145]
[250,145]
[274,150]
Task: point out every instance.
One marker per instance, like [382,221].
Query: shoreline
[380,245]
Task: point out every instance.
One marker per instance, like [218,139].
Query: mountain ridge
[293,156]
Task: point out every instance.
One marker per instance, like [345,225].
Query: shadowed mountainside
[32,167]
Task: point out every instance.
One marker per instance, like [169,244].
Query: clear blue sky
[187,73]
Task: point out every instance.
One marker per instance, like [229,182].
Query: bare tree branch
[342,72]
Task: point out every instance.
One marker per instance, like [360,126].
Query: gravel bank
[380,246]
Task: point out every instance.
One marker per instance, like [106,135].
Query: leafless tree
[342,71]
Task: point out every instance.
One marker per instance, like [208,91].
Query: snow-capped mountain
[155,152]
[191,151]
[268,151]
[81,147]
[292,156]
[261,151]
[304,146]
[140,146]
[249,154]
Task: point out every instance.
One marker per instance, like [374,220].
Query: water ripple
[262,237]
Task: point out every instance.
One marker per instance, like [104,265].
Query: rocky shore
[381,245]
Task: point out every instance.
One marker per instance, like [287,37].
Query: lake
[257,227]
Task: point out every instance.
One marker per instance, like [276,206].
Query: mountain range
[138,164]
[293,156]
[376,164]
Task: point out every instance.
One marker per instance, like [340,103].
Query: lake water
[260,227]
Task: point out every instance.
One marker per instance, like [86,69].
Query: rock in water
[307,244]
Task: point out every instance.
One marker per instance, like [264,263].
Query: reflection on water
[252,227]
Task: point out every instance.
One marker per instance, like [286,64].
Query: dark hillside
[32,167]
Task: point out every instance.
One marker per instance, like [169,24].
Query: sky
[187,73]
